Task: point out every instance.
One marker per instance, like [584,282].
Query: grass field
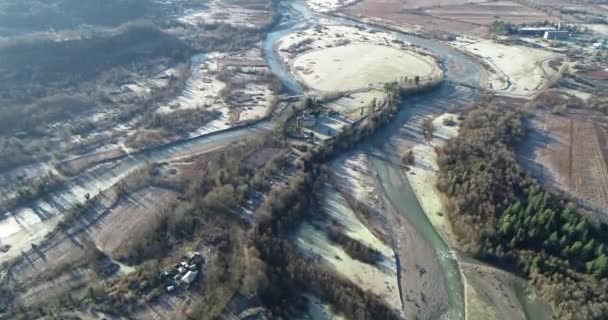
[356,105]
[357,66]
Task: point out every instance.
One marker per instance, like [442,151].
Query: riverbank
[422,175]
[25,226]
[489,293]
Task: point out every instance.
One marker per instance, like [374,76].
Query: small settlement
[184,273]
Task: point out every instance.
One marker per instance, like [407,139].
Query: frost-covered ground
[380,278]
[517,70]
[329,5]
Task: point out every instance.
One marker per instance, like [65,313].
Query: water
[457,66]
[398,190]
[295,17]
[384,146]
[106,175]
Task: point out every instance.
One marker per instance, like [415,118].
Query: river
[26,225]
[23,226]
[383,147]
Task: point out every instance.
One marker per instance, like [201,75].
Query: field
[486,13]
[449,16]
[131,218]
[572,153]
[391,12]
[517,70]
[358,66]
[62,258]
[599,74]
[355,105]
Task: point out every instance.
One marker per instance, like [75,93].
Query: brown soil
[132,217]
[400,5]
[450,16]
[594,74]
[578,157]
[486,13]
[390,11]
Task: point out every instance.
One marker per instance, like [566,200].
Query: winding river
[383,147]
[384,143]
[26,225]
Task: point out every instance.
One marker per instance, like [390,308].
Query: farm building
[189,277]
[556,35]
[534,31]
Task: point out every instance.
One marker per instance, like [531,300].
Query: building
[534,31]
[598,45]
[307,121]
[189,277]
[556,35]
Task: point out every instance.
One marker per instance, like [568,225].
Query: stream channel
[23,226]
[383,147]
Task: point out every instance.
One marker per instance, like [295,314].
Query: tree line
[504,216]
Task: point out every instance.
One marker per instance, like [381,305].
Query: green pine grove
[503,216]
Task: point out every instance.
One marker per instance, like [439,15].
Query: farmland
[571,153]
[450,16]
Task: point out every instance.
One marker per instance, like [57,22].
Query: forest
[44,65]
[505,217]
[19,16]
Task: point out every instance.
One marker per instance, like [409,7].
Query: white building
[189,277]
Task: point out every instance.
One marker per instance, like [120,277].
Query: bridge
[467,85]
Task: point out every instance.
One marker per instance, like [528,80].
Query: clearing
[356,105]
[358,66]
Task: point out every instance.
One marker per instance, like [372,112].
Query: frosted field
[351,105]
[380,279]
[359,65]
[518,70]
[329,5]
